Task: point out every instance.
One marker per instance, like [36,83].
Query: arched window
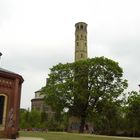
[77,37]
[85,37]
[81,27]
[2,98]
[82,55]
[77,43]
[77,28]
[3,107]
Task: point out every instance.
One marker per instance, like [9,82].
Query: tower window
[81,36]
[81,27]
[85,37]
[77,44]
[81,55]
[77,27]
[77,37]
[85,44]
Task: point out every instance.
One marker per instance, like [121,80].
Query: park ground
[70,136]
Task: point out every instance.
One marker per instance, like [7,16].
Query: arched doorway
[3,106]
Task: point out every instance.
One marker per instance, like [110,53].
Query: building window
[81,55]
[81,36]
[77,44]
[77,28]
[81,27]
[1,108]
[77,37]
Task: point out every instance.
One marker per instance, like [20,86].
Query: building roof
[40,90]
[4,70]
[11,74]
[37,99]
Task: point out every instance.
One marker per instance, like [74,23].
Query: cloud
[37,34]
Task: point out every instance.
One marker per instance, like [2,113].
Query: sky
[38,34]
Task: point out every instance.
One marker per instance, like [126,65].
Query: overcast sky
[37,34]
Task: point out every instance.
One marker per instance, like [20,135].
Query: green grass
[67,136]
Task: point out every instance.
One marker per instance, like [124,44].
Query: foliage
[133,113]
[36,119]
[107,117]
[80,86]
[23,119]
[93,91]
[31,119]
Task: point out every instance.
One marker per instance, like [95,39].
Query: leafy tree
[107,117]
[35,119]
[79,86]
[31,119]
[133,112]
[22,119]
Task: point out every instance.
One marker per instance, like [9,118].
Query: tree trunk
[134,132]
[82,124]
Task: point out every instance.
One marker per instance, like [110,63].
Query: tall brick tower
[80,41]
[80,54]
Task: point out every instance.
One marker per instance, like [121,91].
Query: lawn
[68,136]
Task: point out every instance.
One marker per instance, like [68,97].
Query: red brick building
[10,93]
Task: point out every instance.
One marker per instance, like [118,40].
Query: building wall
[10,89]
[38,104]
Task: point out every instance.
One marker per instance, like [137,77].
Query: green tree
[22,120]
[31,119]
[79,86]
[107,117]
[35,119]
[133,113]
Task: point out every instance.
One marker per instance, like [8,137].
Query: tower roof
[80,23]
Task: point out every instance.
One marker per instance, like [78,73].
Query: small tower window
[77,27]
[77,43]
[81,55]
[81,27]
[85,37]
[77,37]
[85,44]
[81,36]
